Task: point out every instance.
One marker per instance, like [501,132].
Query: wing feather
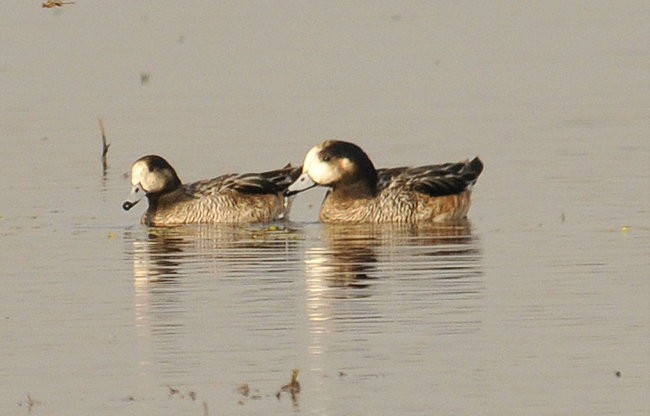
[270,182]
[432,180]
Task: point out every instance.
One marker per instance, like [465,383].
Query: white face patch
[322,173]
[138,172]
[149,181]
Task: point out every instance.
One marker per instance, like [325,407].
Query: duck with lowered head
[229,198]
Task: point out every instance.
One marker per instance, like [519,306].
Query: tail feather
[476,165]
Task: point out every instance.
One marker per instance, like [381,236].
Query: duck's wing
[270,182]
[432,180]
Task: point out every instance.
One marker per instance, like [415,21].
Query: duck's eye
[327,158]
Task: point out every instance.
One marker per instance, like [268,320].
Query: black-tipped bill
[127,205]
[137,193]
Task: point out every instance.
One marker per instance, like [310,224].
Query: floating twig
[55,3]
[105,145]
[293,387]
[173,391]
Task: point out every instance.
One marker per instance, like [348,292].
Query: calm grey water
[539,305]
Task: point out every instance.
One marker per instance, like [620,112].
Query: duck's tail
[471,171]
[476,166]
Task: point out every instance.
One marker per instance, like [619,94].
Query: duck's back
[231,198]
[432,180]
[434,193]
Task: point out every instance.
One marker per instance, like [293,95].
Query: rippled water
[538,305]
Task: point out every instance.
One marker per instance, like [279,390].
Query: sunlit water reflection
[340,300]
[403,275]
[178,271]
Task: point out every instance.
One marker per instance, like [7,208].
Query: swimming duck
[230,198]
[359,193]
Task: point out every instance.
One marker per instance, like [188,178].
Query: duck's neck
[366,188]
[153,201]
[162,200]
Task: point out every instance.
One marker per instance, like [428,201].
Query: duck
[229,198]
[359,193]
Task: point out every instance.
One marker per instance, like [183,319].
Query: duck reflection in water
[173,267]
[389,279]
[167,253]
[354,255]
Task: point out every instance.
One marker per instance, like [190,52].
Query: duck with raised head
[229,198]
[359,193]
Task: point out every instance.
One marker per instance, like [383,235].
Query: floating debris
[144,77]
[275,232]
[618,374]
[105,145]
[625,228]
[293,387]
[55,3]
[244,390]
[30,403]
[173,391]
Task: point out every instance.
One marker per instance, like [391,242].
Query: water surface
[537,305]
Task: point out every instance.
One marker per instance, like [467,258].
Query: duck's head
[150,175]
[338,165]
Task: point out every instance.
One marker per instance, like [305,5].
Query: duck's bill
[301,184]
[134,197]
